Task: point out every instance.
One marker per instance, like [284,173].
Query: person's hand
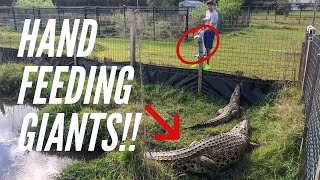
[205,19]
[201,33]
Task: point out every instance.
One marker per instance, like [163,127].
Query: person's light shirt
[212,18]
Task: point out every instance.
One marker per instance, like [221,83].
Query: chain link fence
[311,92]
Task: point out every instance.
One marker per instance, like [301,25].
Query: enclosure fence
[250,46]
[311,92]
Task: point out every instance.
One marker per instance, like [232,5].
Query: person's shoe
[195,66]
[206,67]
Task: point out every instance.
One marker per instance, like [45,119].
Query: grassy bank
[276,124]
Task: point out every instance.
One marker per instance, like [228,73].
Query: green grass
[276,124]
[265,50]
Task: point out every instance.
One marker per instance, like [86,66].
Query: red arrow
[173,133]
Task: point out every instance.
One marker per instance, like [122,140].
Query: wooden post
[302,60]
[200,76]
[132,44]
[98,19]
[14,18]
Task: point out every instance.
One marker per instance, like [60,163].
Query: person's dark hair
[211,2]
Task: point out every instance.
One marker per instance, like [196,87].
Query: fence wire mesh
[311,91]
[253,44]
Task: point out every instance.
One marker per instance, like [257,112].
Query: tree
[7,2]
[283,7]
[98,2]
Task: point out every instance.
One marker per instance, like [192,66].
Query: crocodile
[208,156]
[224,115]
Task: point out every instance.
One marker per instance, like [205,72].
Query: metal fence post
[59,18]
[39,17]
[165,13]
[275,14]
[75,50]
[98,19]
[154,23]
[300,15]
[34,14]
[314,12]
[310,31]
[200,76]
[14,18]
[85,12]
[124,19]
[249,16]
[187,21]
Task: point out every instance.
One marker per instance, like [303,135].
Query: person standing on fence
[211,19]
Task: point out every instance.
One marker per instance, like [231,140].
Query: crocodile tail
[197,126]
[208,123]
[172,155]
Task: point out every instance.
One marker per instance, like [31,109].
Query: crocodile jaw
[241,128]
[235,97]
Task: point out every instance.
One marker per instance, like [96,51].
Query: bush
[28,3]
[227,9]
[10,78]
[283,7]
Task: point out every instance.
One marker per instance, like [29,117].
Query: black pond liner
[253,91]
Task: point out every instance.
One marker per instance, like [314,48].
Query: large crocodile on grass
[224,115]
[208,156]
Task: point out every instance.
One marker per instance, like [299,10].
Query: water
[15,164]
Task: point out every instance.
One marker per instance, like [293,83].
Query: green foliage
[197,15]
[227,9]
[283,8]
[117,22]
[161,2]
[99,2]
[10,78]
[32,3]
[7,2]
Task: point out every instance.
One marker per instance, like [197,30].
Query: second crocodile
[224,115]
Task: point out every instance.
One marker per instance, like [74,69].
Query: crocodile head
[241,128]
[235,97]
